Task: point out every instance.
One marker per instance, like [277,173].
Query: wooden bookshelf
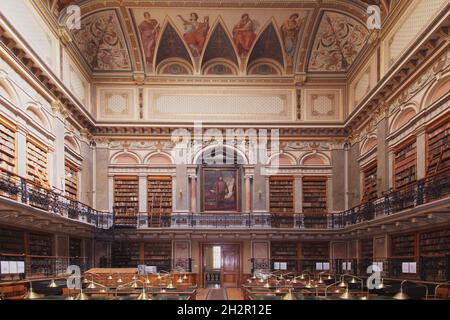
[438,146]
[314,194]
[366,249]
[159,197]
[435,243]
[284,251]
[11,241]
[281,194]
[405,164]
[319,251]
[126,254]
[37,162]
[126,199]
[403,246]
[158,254]
[40,245]
[75,248]
[7,145]
[369,182]
[71,180]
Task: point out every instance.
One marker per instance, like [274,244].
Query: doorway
[221,265]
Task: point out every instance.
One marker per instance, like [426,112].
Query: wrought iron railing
[412,195]
[27,192]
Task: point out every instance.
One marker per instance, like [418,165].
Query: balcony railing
[24,191]
[412,195]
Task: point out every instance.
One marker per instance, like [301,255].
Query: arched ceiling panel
[171,46]
[220,46]
[268,46]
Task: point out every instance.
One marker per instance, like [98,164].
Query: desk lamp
[31,295]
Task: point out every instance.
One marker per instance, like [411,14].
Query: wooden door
[230,271]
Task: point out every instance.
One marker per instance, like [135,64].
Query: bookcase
[438,146]
[314,194]
[313,252]
[158,254]
[125,254]
[40,245]
[403,246]
[75,247]
[435,243]
[126,199]
[284,251]
[281,194]
[71,180]
[366,249]
[369,182]
[37,162]
[11,241]
[7,145]
[159,197]
[405,164]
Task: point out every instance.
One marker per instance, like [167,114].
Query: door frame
[215,243]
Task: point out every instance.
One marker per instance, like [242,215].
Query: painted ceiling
[219,37]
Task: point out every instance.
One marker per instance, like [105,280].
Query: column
[330,205]
[248,193]
[298,195]
[193,193]
[110,199]
[421,154]
[21,152]
[142,199]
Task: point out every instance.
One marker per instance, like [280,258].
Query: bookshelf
[37,162]
[75,248]
[159,197]
[369,182]
[366,249]
[403,246]
[435,243]
[314,194]
[40,245]
[126,199]
[284,251]
[125,254]
[438,146]
[11,241]
[158,254]
[71,180]
[7,145]
[405,164]
[281,194]
[313,252]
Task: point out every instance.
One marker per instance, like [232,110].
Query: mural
[268,46]
[171,46]
[338,41]
[195,33]
[220,189]
[290,31]
[101,42]
[149,30]
[220,46]
[244,34]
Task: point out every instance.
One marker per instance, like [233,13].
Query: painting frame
[208,173]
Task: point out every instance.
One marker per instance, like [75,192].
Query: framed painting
[220,189]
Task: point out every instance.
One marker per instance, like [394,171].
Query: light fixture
[135,284]
[267,285]
[342,284]
[147,280]
[381,285]
[91,285]
[309,285]
[277,290]
[109,277]
[289,295]
[82,296]
[53,284]
[134,278]
[185,277]
[180,280]
[261,280]
[170,285]
[143,295]
[295,280]
[159,276]
[85,280]
[346,295]
[31,295]
[302,276]
[401,295]
[119,280]
[353,280]
[329,277]
[70,298]
[320,280]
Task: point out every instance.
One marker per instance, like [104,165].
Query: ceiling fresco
[239,40]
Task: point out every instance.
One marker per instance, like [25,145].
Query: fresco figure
[195,33]
[149,30]
[244,34]
[290,30]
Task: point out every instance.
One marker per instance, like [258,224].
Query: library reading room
[224,150]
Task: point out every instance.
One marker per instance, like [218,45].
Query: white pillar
[298,194]
[421,154]
[21,153]
[142,193]
[330,206]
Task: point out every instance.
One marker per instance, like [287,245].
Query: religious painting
[290,30]
[149,30]
[195,32]
[244,34]
[220,189]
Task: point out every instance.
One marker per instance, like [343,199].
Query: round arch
[315,159]
[125,157]
[241,157]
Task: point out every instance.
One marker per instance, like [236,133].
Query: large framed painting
[220,189]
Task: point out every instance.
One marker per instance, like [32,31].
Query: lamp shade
[53,284]
[346,295]
[401,295]
[289,295]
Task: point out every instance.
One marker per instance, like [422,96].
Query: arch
[265,67]
[35,112]
[436,91]
[174,66]
[125,157]
[159,158]
[222,67]
[403,117]
[71,142]
[314,159]
[284,159]
[369,143]
[241,157]
[8,91]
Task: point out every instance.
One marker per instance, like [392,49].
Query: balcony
[425,191]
